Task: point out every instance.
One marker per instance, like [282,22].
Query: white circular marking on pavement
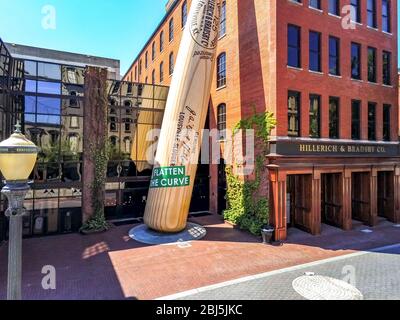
[325,288]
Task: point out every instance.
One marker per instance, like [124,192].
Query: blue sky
[109,28]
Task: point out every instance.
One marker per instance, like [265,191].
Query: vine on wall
[98,220]
[247,203]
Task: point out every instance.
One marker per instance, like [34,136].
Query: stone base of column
[144,234]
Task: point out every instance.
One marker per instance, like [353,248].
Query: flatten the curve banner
[185,114]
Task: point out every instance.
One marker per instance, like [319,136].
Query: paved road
[376,275]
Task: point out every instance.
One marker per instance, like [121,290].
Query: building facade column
[315,226]
[373,218]
[396,195]
[278,202]
[347,201]
[94,137]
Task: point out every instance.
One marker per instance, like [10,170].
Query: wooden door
[386,195]
[361,196]
[332,199]
[302,202]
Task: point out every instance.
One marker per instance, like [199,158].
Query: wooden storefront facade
[309,190]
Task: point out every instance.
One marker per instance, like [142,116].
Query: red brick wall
[257,74]
[344,87]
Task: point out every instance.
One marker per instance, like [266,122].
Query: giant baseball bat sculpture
[178,148]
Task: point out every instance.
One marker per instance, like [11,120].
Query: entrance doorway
[332,199]
[299,197]
[386,195]
[361,197]
[222,187]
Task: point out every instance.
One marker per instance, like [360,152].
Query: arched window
[171,63]
[184,13]
[222,24]
[161,41]
[153,77]
[221,70]
[221,121]
[114,141]
[161,71]
[140,67]
[127,145]
[171,29]
[153,50]
[146,60]
[146,80]
[73,141]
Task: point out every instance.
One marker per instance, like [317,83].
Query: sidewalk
[112,266]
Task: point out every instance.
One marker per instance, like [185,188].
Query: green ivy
[247,208]
[98,221]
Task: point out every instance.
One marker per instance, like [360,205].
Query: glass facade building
[48,99]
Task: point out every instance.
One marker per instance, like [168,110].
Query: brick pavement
[112,266]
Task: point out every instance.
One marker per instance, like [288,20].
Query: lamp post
[17,159]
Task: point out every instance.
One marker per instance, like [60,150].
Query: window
[356,61]
[127,126]
[371,13]
[222,23]
[140,67]
[146,60]
[333,118]
[315,51]
[113,124]
[49,71]
[171,63]
[315,112]
[161,41]
[334,7]
[49,87]
[334,56]
[153,51]
[146,79]
[73,139]
[30,68]
[355,11]
[184,13]
[221,124]
[136,75]
[74,122]
[161,71]
[171,30]
[294,46]
[386,66]
[221,70]
[127,145]
[355,120]
[153,77]
[315,4]
[294,113]
[386,122]
[386,20]
[371,121]
[371,64]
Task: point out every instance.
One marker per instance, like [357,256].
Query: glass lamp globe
[17,156]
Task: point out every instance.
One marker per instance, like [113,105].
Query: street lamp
[17,159]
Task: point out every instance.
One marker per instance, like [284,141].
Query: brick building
[327,70]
